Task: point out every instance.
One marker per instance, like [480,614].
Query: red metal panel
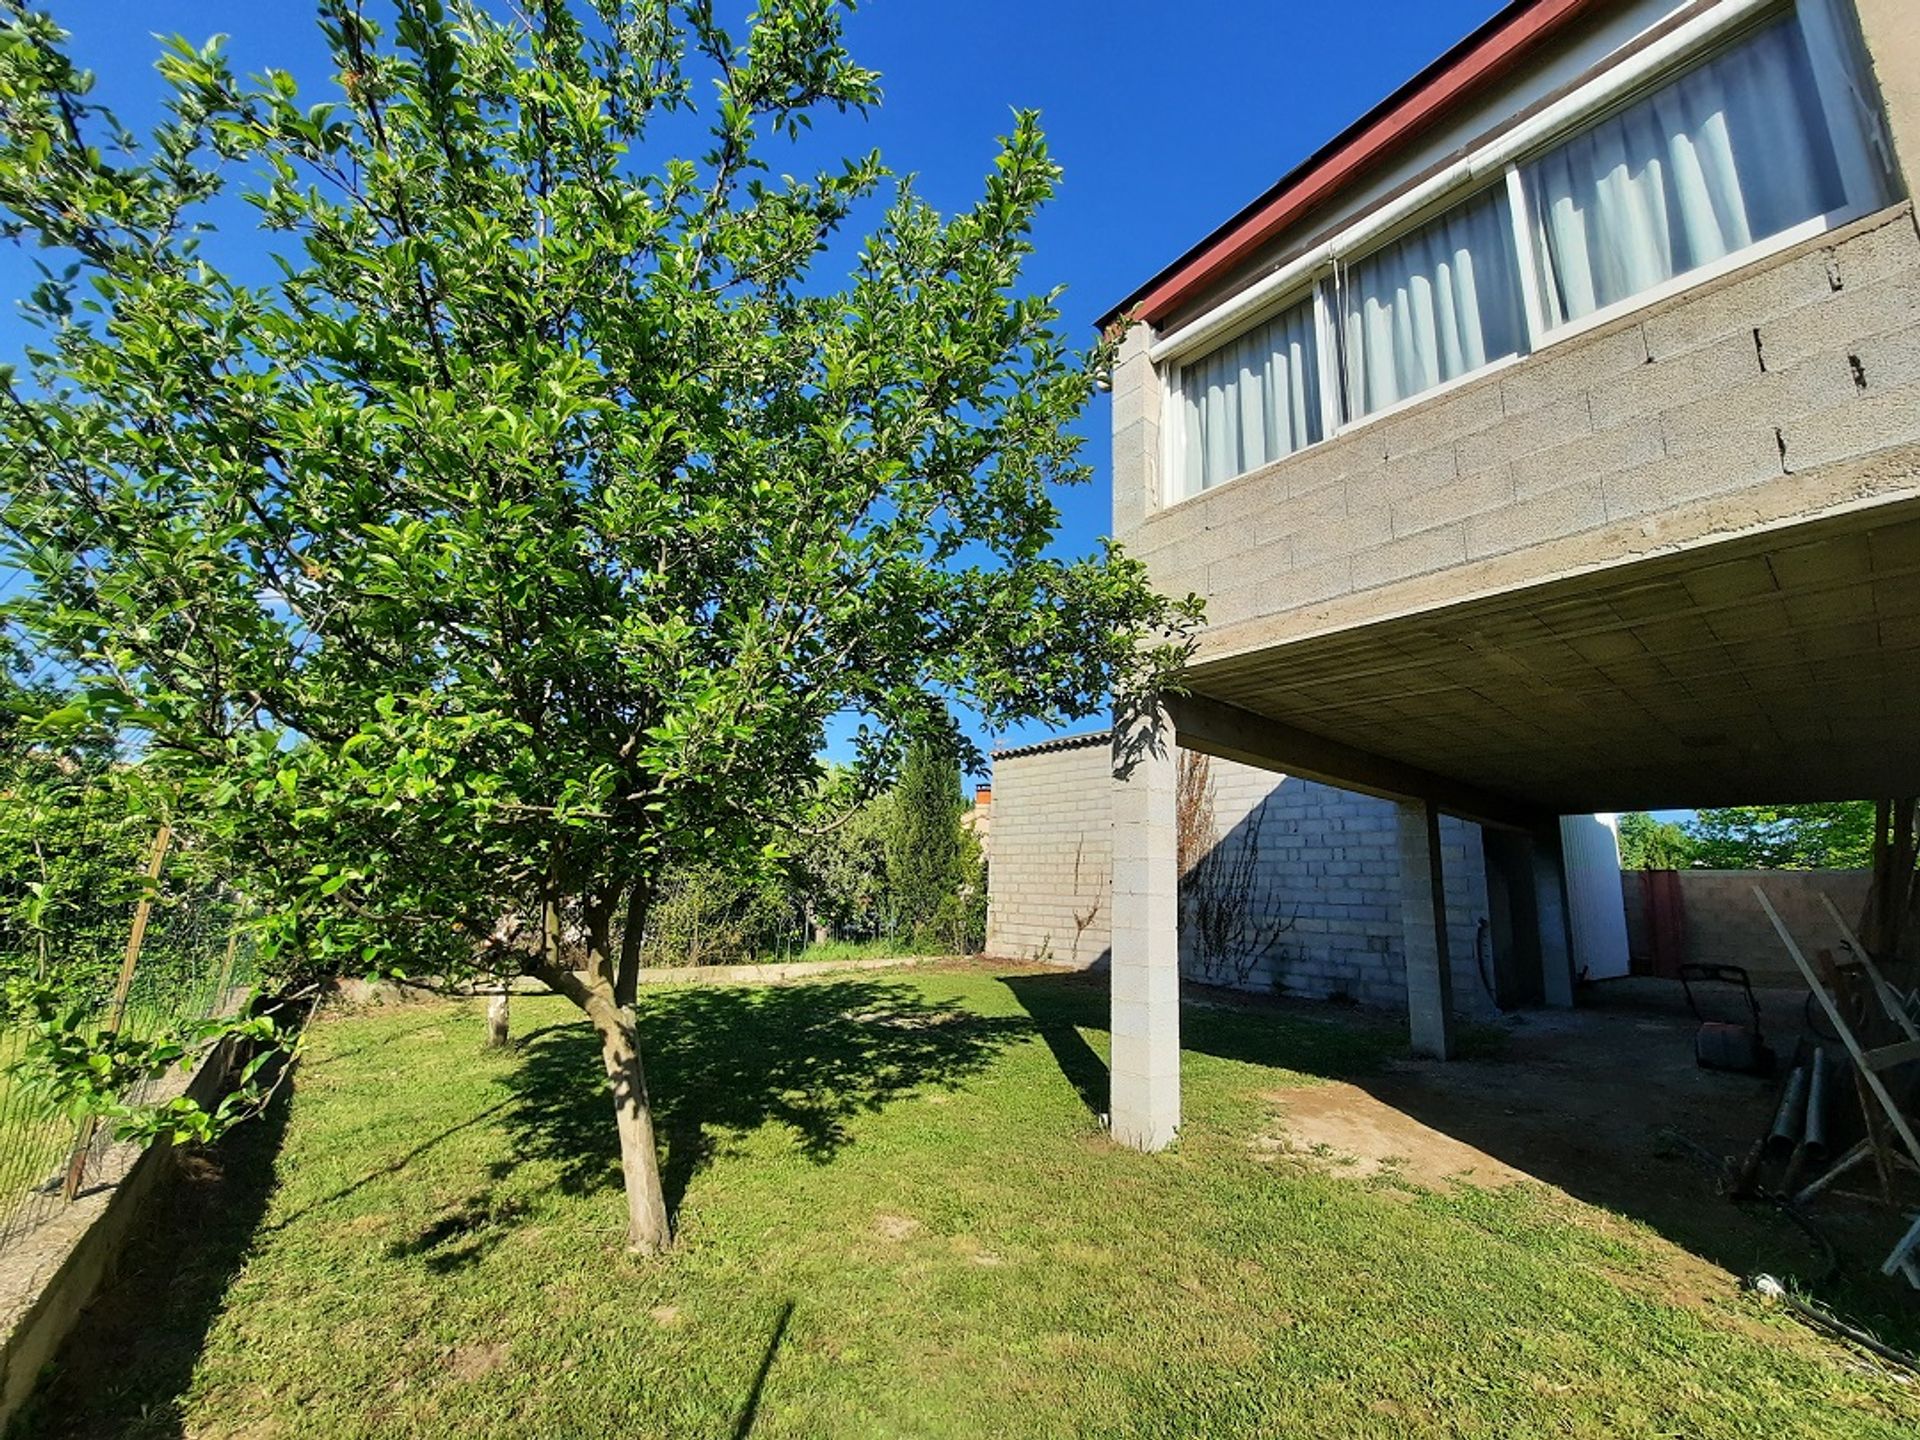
[1666,921]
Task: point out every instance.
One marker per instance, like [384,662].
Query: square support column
[1423,927]
[1550,906]
[1145,975]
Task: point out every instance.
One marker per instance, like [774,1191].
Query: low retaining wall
[1720,923]
[51,1274]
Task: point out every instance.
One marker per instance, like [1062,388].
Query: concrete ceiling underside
[1778,667]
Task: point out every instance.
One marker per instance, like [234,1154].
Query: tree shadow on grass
[124,1371]
[725,1061]
[464,1235]
[1251,1029]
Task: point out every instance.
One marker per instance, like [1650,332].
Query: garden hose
[1784,1203]
[1823,1319]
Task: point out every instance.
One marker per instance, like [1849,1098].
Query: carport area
[1606,1104]
[1775,667]
[1778,666]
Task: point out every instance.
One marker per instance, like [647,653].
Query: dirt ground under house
[1606,1103]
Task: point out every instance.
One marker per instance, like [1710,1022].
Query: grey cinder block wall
[1050,880]
[1327,877]
[1740,385]
[1723,924]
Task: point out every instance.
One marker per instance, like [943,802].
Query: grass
[898,1218]
[880,948]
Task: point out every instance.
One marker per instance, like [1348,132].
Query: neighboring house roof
[1059,742]
[1485,56]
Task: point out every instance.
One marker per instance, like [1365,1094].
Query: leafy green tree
[842,866]
[714,915]
[1650,844]
[71,861]
[925,866]
[1785,837]
[531,525]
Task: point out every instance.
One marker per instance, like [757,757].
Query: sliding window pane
[1439,303]
[1728,154]
[1253,401]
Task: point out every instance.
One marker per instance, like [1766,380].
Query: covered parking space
[1777,665]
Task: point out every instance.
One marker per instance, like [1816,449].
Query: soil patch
[1343,1130]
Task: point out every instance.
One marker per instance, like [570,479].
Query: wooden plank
[1839,1022]
[1894,1055]
[117,1011]
[1903,1257]
[1888,1056]
[1889,997]
[1861,1152]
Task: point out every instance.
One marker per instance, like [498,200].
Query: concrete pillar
[1145,975]
[1550,910]
[1137,399]
[1423,928]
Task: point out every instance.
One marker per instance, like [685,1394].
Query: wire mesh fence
[195,960]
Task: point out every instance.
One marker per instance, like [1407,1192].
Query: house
[977,819]
[1307,875]
[1548,443]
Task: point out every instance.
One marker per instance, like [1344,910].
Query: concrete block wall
[1329,864]
[1050,880]
[1799,361]
[1328,867]
[1724,924]
[53,1272]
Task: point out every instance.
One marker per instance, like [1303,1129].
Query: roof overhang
[1778,666]
[1477,62]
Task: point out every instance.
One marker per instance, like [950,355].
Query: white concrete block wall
[1329,862]
[1050,881]
[1328,865]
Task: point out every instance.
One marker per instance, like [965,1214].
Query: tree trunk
[499,1032]
[593,990]
[647,1228]
[626,976]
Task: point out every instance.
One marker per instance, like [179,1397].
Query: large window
[1770,137]
[1252,401]
[1732,152]
[1437,304]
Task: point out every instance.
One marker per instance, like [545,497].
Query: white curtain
[1441,302]
[1726,155]
[1252,401]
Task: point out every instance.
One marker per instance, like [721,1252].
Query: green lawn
[880,948]
[898,1218]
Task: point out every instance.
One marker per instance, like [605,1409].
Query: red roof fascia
[1475,62]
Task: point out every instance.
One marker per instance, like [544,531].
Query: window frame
[1174,426]
[1538,337]
[1455,198]
[1526,222]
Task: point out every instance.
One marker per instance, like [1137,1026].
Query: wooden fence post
[116,1013]
[226,964]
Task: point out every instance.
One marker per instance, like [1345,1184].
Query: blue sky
[1166,119]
